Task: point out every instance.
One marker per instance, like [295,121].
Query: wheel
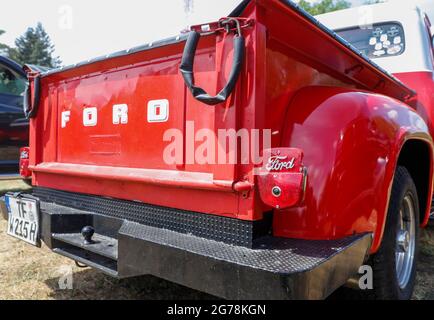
[394,265]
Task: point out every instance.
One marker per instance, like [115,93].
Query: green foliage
[324,6]
[3,48]
[34,47]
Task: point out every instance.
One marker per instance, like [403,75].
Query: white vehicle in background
[399,38]
[401,33]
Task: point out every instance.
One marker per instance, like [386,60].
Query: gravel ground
[27,272]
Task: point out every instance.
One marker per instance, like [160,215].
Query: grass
[425,275]
[12,186]
[27,272]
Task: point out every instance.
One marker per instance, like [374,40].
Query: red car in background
[14,127]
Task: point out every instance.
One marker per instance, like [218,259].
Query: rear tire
[394,265]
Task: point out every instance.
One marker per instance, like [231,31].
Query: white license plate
[23,219]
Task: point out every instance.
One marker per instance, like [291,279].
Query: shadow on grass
[92,284]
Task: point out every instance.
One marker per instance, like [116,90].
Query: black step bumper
[278,269]
[274,268]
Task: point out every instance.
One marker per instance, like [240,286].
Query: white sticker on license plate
[23,219]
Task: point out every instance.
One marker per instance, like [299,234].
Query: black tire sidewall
[383,262]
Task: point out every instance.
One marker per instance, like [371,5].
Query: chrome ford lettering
[275,163]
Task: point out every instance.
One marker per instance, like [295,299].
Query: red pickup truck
[258,156]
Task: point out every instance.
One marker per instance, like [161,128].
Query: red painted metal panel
[351,142]
[424,101]
[123,145]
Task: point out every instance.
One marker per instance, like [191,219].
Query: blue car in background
[14,127]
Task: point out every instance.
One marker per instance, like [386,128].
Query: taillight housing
[24,163]
[282,178]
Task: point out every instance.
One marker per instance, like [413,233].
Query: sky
[83,29]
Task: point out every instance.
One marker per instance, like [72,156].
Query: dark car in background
[14,127]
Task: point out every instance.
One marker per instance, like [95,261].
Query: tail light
[282,178]
[24,163]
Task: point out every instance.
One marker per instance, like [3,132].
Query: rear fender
[351,142]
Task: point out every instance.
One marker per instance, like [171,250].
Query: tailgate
[119,119]
[127,126]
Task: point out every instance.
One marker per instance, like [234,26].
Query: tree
[34,47]
[324,6]
[3,47]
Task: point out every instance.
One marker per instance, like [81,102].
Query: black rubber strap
[187,69]
[31,108]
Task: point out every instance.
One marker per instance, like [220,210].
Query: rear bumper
[277,269]
[273,268]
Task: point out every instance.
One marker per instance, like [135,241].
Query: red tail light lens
[282,179]
[24,163]
[24,153]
